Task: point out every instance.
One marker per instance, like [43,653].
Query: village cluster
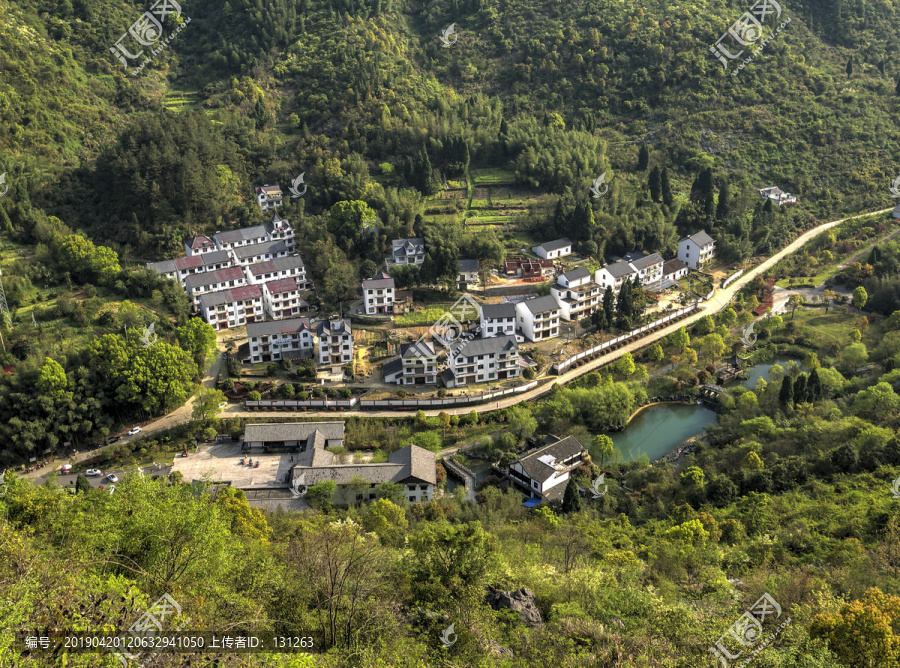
[254,277]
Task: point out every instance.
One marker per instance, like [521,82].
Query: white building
[277,229]
[468,271]
[285,339]
[252,254]
[482,361]
[281,298]
[777,195]
[553,250]
[182,267]
[648,267]
[896,213]
[417,365]
[232,308]
[213,281]
[335,341]
[544,472]
[674,270]
[539,318]
[290,266]
[614,275]
[498,319]
[696,250]
[577,295]
[199,245]
[378,294]
[268,197]
[408,251]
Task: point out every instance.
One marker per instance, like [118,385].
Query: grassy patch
[493,176]
[182,100]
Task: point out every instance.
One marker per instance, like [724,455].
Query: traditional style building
[213,281]
[199,245]
[543,472]
[674,270]
[417,365]
[290,266]
[255,253]
[468,271]
[614,275]
[299,436]
[777,195]
[281,298]
[182,267]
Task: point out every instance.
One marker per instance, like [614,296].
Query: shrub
[528,374]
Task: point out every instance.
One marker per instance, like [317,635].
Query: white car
[93,472]
[112,488]
[223,404]
[112,477]
[136,430]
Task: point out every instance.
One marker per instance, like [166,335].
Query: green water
[762,371]
[658,430]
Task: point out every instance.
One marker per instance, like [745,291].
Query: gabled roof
[557,244]
[467,266]
[212,277]
[619,269]
[199,242]
[418,463]
[417,349]
[275,264]
[272,327]
[194,261]
[673,265]
[268,190]
[414,244]
[344,327]
[646,261]
[392,367]
[541,304]
[260,249]
[495,311]
[538,463]
[292,431]
[491,346]
[379,281]
[167,266]
[232,236]
[576,274]
[701,238]
[277,223]
[232,295]
[283,285]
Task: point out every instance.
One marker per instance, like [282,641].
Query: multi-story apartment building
[408,251]
[277,229]
[578,296]
[199,245]
[539,318]
[281,298]
[232,308]
[213,281]
[290,266]
[268,197]
[335,341]
[497,319]
[285,339]
[417,365]
[182,267]
[482,361]
[269,250]
[378,294]
[696,250]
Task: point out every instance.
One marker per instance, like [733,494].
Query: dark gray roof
[200,241]
[392,367]
[646,261]
[541,304]
[417,349]
[272,327]
[490,346]
[414,244]
[378,282]
[560,451]
[673,265]
[619,269]
[260,249]
[232,236]
[292,431]
[417,463]
[275,264]
[466,266]
[164,267]
[344,327]
[231,295]
[410,464]
[212,277]
[576,274]
[701,238]
[494,311]
[630,256]
[277,224]
[558,244]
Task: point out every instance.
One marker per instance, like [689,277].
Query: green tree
[681,339]
[860,297]
[388,520]
[786,395]
[877,401]
[199,339]
[667,197]
[855,355]
[520,421]
[206,405]
[655,353]
[654,184]
[52,381]
[704,326]
[625,365]
[643,158]
[794,302]
[82,484]
[571,497]
[604,448]
[321,495]
[348,219]
[391,491]
[713,346]
[811,361]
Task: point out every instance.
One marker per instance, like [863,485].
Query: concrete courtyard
[220,462]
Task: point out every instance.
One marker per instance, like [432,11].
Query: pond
[762,371]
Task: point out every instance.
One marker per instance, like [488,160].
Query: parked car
[93,472]
[136,430]
[223,404]
[112,488]
[358,311]
[113,440]
[112,477]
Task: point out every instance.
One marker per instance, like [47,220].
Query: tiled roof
[619,269]
[489,346]
[467,266]
[541,304]
[283,285]
[560,450]
[344,327]
[417,349]
[276,264]
[392,367]
[212,277]
[558,244]
[268,189]
[232,236]
[417,463]
[378,281]
[166,266]
[231,295]
[576,274]
[292,431]
[271,327]
[646,261]
[410,464]
[260,249]
[673,265]
[194,261]
[495,311]
[701,238]
[199,242]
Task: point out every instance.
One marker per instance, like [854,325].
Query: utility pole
[4,308]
